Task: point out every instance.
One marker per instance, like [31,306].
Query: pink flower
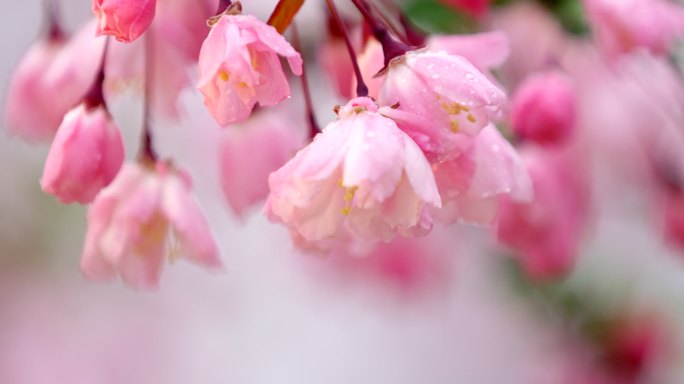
[623,25]
[239,67]
[124,19]
[85,156]
[32,112]
[445,96]
[362,174]
[529,24]
[484,50]
[544,108]
[547,231]
[143,217]
[276,136]
[473,184]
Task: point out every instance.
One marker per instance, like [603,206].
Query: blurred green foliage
[435,17]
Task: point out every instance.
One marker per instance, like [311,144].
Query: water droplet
[435,76]
[469,76]
[370,134]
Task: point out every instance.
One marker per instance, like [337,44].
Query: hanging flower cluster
[420,138]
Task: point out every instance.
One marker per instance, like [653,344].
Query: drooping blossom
[547,231]
[361,174]
[404,266]
[85,156]
[544,108]
[472,185]
[31,111]
[143,217]
[441,100]
[273,133]
[126,20]
[624,25]
[239,67]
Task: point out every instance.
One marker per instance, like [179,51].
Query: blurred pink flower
[85,156]
[543,108]
[362,173]
[472,184]
[528,24]
[485,51]
[32,112]
[144,216]
[126,20]
[239,67]
[273,134]
[334,59]
[623,25]
[447,96]
[547,231]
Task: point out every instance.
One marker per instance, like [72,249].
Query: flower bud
[544,108]
[85,156]
[126,20]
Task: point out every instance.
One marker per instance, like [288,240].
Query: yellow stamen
[223,75]
[454,126]
[348,197]
[471,118]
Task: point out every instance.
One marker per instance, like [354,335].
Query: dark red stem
[95,96]
[361,88]
[54,28]
[310,116]
[223,5]
[391,47]
[147,152]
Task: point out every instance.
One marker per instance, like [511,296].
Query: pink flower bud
[144,217]
[544,108]
[239,67]
[126,20]
[85,156]
[32,111]
[361,173]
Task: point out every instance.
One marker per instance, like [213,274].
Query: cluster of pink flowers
[426,142]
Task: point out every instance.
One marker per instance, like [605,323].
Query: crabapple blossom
[31,111]
[621,26]
[244,177]
[472,185]
[126,20]
[546,231]
[543,108]
[448,97]
[239,67]
[85,156]
[143,217]
[362,173]
[485,50]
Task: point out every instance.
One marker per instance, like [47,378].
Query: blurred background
[451,308]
